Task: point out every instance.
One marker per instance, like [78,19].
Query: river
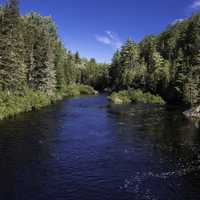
[85,149]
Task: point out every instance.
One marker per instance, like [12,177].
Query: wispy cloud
[195,5]
[109,38]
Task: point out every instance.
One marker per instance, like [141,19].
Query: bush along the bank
[121,97]
[12,104]
[77,90]
[135,96]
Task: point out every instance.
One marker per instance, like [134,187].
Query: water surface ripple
[85,149]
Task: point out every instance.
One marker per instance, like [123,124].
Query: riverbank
[12,104]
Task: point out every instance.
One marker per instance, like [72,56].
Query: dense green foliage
[78,89]
[12,104]
[135,96]
[34,60]
[167,64]
[36,68]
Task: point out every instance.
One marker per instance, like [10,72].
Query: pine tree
[77,58]
[40,55]
[196,61]
[12,66]
[128,61]
[193,81]
[181,73]
[69,68]
[191,90]
[114,71]
[129,54]
[193,38]
[157,76]
[161,72]
[49,82]
[60,57]
[44,76]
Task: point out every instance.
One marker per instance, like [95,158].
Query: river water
[85,149]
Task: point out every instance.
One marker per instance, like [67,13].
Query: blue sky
[97,27]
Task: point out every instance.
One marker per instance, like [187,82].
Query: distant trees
[96,75]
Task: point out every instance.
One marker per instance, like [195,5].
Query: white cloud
[196,4]
[110,34]
[103,39]
[109,38]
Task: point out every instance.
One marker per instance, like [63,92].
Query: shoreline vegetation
[135,96]
[13,104]
[36,69]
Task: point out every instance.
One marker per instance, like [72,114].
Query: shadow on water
[83,148]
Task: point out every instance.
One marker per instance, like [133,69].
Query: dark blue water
[84,149]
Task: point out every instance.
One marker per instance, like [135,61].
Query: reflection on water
[85,149]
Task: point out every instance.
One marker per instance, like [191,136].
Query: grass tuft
[135,96]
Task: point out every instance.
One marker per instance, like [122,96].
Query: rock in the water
[193,112]
[118,101]
[96,92]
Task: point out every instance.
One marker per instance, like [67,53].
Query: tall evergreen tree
[114,71]
[77,58]
[60,58]
[40,46]
[12,65]
[129,60]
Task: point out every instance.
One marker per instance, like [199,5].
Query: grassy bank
[135,96]
[12,104]
[77,90]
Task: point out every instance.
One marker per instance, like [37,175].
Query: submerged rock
[193,113]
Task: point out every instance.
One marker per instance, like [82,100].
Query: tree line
[32,56]
[167,64]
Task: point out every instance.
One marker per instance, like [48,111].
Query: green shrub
[77,90]
[139,96]
[121,97]
[87,90]
[12,104]
[135,96]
